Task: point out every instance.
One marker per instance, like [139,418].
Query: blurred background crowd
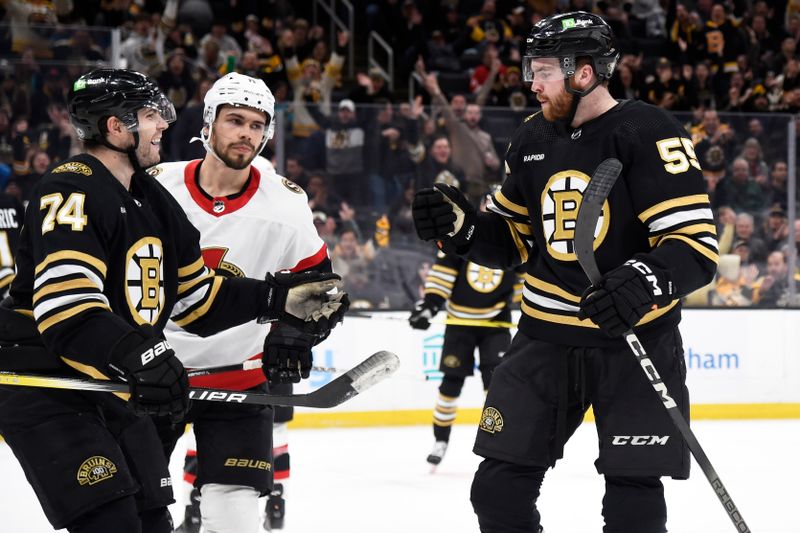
[378,98]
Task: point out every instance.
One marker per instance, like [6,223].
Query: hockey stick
[253,364]
[372,370]
[445,322]
[591,206]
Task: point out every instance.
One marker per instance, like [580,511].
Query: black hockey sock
[119,516]
[504,496]
[634,505]
[444,414]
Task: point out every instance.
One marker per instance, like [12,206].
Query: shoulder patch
[73,166]
[155,171]
[292,186]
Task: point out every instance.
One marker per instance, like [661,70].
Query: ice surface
[376,480]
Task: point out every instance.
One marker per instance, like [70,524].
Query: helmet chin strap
[204,139]
[566,123]
[130,151]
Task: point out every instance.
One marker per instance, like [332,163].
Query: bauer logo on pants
[491,420]
[95,469]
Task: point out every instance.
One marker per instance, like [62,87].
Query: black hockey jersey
[470,291]
[97,261]
[11,213]
[658,210]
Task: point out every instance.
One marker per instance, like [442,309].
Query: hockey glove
[625,295]
[422,314]
[158,382]
[445,215]
[287,355]
[301,300]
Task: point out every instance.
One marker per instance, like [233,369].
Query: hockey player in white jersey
[251,221]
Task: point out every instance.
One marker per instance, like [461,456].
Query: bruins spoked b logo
[95,469]
[482,279]
[491,420]
[144,280]
[561,200]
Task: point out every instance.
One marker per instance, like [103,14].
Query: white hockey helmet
[240,91]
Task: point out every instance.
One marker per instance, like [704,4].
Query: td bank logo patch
[491,420]
[95,469]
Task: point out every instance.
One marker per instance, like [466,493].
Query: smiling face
[237,135]
[151,127]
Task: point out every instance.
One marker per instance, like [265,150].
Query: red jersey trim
[225,204]
[312,260]
[235,380]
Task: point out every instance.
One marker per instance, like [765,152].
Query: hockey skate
[437,454]
[276,509]
[191,519]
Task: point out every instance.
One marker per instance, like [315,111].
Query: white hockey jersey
[267,227]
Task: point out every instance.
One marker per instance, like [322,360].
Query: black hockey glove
[625,295]
[287,355]
[301,300]
[445,215]
[422,314]
[158,382]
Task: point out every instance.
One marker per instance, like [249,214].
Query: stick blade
[361,377]
[594,196]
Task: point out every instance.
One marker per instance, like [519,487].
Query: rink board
[741,364]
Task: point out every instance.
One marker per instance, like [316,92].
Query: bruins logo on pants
[144,280]
[95,469]
[491,420]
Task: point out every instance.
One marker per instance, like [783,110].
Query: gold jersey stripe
[26,312]
[446,270]
[521,248]
[710,255]
[674,202]
[93,372]
[525,229]
[192,269]
[203,309]
[81,257]
[72,311]
[4,282]
[80,283]
[551,289]
[509,205]
[189,285]
[586,323]
[476,310]
[437,292]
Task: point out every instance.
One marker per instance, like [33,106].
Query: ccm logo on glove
[155,351]
[649,276]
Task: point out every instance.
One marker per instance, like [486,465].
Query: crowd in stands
[729,70]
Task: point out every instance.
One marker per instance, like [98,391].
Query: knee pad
[504,496]
[451,386]
[634,505]
[229,509]
[119,516]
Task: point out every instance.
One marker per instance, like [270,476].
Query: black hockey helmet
[569,36]
[108,92]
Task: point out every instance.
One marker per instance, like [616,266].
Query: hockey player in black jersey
[11,213]
[106,257]
[468,292]
[655,241]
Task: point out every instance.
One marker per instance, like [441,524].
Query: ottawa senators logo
[95,469]
[561,200]
[292,186]
[482,279]
[214,257]
[144,280]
